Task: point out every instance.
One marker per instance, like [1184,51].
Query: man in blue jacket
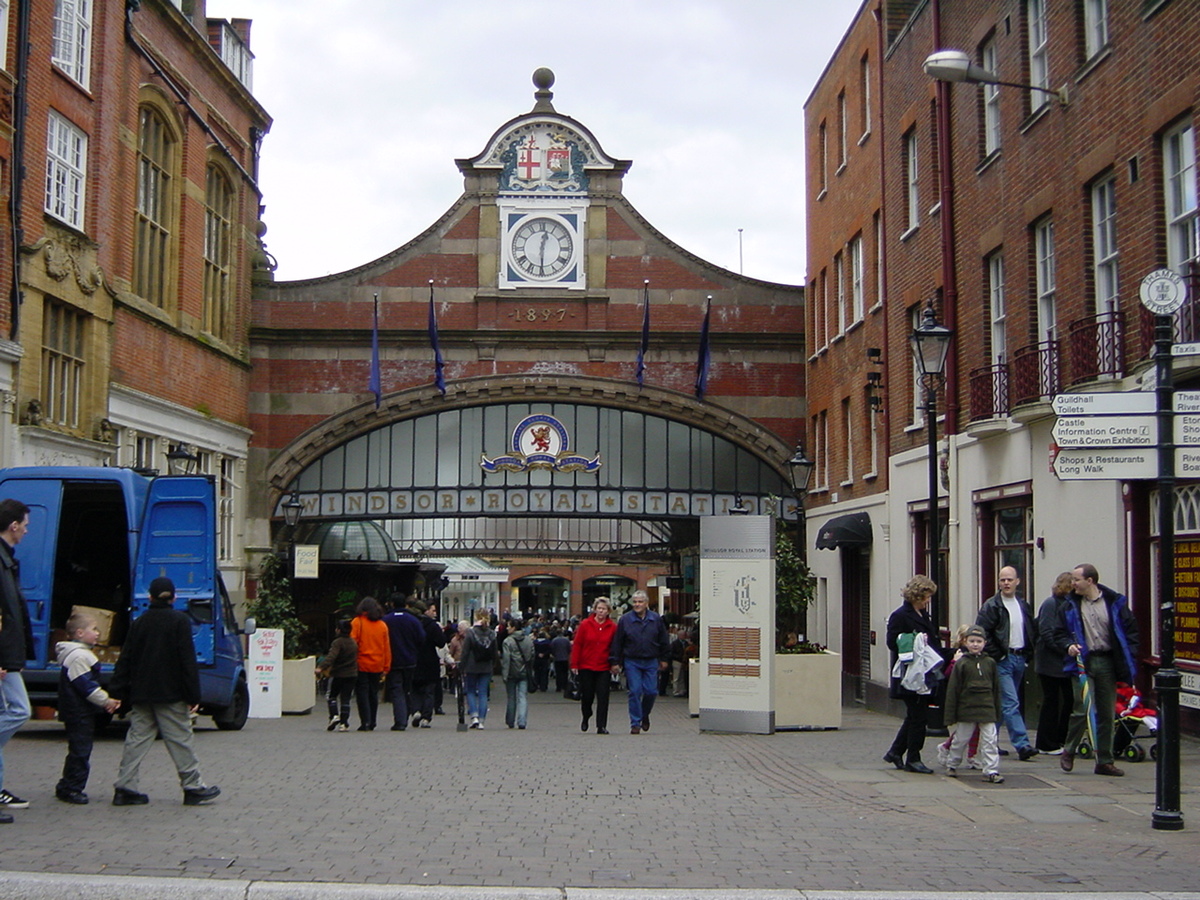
[16,641]
[641,646]
[407,636]
[1097,628]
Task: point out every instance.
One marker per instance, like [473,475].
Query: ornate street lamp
[930,345]
[181,460]
[801,469]
[292,508]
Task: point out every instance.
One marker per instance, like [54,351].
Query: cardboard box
[104,620]
[107,654]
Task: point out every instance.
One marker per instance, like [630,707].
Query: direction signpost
[1108,436]
[1163,293]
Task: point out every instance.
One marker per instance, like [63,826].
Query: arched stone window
[219,199]
[154,244]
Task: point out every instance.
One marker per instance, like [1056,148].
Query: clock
[542,248]
[542,244]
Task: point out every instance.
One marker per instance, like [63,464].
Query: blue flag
[438,363]
[645,345]
[375,384]
[704,360]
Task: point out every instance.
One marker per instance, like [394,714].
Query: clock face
[542,248]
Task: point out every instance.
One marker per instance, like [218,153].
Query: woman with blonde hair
[1057,699]
[912,617]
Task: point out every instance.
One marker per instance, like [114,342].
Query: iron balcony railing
[1035,373]
[1097,348]
[989,392]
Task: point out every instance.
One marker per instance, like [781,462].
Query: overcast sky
[373,100]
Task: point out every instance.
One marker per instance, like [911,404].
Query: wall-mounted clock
[542,248]
[542,245]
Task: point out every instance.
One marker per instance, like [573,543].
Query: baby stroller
[1135,722]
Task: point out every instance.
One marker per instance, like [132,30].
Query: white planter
[808,690]
[299,685]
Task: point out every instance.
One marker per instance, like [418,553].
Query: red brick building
[538,275]
[129,155]
[1029,219]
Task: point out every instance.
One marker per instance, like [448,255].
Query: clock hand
[542,249]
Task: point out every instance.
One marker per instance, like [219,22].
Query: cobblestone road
[552,807]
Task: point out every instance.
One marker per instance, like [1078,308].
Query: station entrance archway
[558,469]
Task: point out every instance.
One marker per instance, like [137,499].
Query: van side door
[36,554]
[179,540]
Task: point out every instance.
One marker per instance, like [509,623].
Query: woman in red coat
[589,660]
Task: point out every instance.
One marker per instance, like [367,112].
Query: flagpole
[645,345]
[375,384]
[704,360]
[439,378]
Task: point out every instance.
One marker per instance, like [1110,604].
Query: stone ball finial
[543,80]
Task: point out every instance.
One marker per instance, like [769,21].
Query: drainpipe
[16,193]
[886,413]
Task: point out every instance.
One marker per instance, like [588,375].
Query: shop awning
[851,530]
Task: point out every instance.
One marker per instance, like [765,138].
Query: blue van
[98,537]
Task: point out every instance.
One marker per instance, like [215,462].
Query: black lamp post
[930,345]
[181,460]
[292,508]
[801,469]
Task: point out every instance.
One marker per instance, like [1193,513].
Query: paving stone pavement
[550,807]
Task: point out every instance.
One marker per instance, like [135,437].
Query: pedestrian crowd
[398,649]
[1081,644]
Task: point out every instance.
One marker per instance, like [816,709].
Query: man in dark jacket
[16,641]
[406,635]
[157,678]
[428,672]
[1007,621]
[1096,629]
[642,647]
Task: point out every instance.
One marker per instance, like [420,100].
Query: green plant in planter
[795,588]
[273,607]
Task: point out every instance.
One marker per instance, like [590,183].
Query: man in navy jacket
[1096,628]
[642,647]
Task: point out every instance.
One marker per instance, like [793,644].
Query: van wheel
[233,717]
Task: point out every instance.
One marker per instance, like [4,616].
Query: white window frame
[237,56]
[66,170]
[4,32]
[64,349]
[997,308]
[72,45]
[880,287]
[824,440]
[843,129]
[1095,26]
[1039,52]
[1179,196]
[823,161]
[823,302]
[873,432]
[864,92]
[839,268]
[848,425]
[857,276]
[918,394]
[991,100]
[1046,278]
[912,170]
[1104,245]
